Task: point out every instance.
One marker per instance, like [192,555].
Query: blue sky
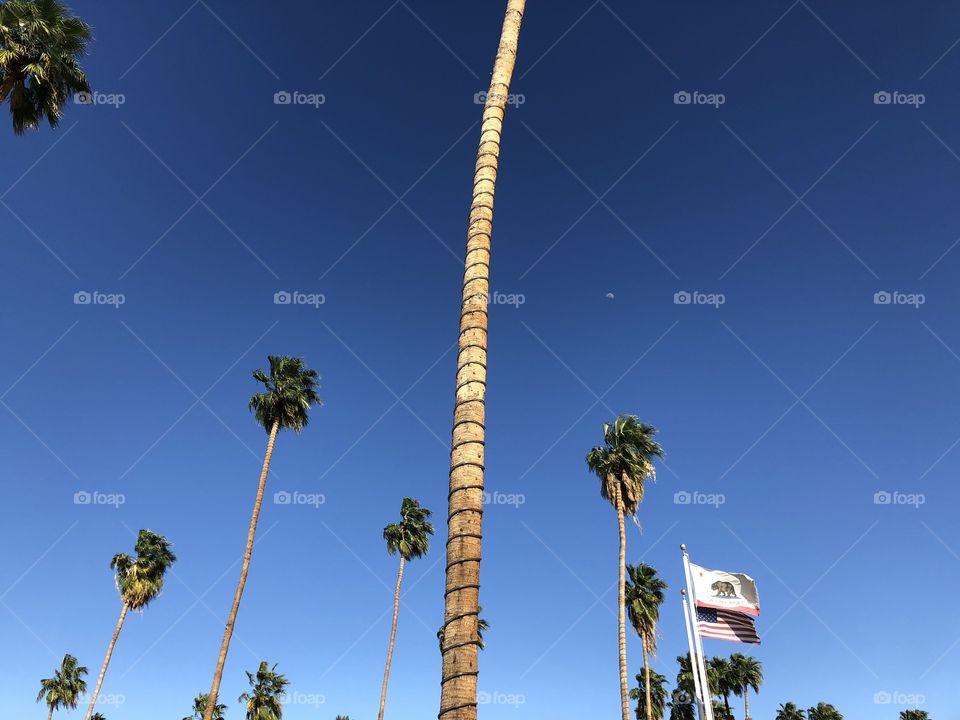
[788,203]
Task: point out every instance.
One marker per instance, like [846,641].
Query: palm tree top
[267,689]
[66,686]
[644,594]
[140,579]
[626,457]
[411,536]
[747,672]
[291,388]
[789,711]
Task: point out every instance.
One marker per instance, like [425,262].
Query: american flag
[727,625]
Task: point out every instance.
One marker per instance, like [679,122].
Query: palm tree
[747,673]
[458,683]
[40,47]
[200,707]
[644,596]
[265,699]
[650,694]
[411,538]
[98,716]
[824,711]
[66,686]
[683,701]
[139,581]
[914,715]
[722,681]
[290,391]
[789,711]
[623,463]
[482,627]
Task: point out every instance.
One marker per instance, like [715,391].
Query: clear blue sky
[798,399]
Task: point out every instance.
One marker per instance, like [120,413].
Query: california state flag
[725,591]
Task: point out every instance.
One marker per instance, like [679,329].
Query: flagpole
[694,670]
[692,602]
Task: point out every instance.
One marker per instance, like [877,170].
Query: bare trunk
[245,568]
[746,703]
[393,637]
[50,714]
[646,678]
[106,660]
[621,623]
[458,694]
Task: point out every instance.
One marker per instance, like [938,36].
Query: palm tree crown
[789,711]
[267,688]
[644,596]
[200,706]
[746,674]
[290,391]
[658,695]
[66,686]
[824,711]
[625,459]
[140,579]
[411,536]
[720,677]
[40,45]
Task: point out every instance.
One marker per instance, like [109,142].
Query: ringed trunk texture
[393,637]
[646,677]
[245,568]
[106,660]
[622,628]
[458,694]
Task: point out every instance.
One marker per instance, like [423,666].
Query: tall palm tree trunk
[646,677]
[458,694]
[106,660]
[746,703]
[393,637]
[50,714]
[621,623]
[245,568]
[726,704]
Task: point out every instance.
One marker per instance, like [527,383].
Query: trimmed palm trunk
[646,677]
[746,703]
[106,660]
[621,621]
[245,568]
[458,694]
[393,637]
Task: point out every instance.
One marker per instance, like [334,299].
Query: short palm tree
[139,580]
[824,711]
[747,673]
[683,701]
[411,539]
[482,627]
[789,711]
[624,463]
[200,707]
[267,689]
[290,391]
[41,44]
[722,682]
[98,716]
[650,694]
[914,715]
[66,686]
[644,596]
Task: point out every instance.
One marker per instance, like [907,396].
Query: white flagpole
[694,670]
[692,601]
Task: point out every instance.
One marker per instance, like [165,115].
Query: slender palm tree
[411,539]
[267,689]
[650,694]
[458,682]
[41,44]
[723,682]
[683,700]
[644,596]
[624,463]
[64,689]
[139,581]
[200,707]
[290,391]
[747,673]
[914,715]
[789,711]
[482,627]
[824,711]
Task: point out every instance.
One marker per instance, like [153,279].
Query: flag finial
[683,548]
